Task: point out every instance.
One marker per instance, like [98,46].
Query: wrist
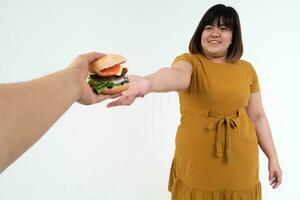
[273,158]
[149,85]
[75,81]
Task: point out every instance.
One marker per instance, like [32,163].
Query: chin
[215,53]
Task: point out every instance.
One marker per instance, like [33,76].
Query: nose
[215,32]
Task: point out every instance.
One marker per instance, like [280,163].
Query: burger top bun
[107,61]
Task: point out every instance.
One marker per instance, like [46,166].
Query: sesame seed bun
[106,61]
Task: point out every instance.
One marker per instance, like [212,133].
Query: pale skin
[215,41]
[29,109]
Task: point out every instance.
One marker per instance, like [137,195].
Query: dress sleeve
[190,58]
[253,79]
[186,57]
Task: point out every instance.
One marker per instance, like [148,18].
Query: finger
[278,175]
[273,182]
[130,100]
[271,176]
[122,101]
[106,96]
[100,97]
[276,185]
[92,56]
[131,93]
[126,93]
[279,179]
[118,102]
[115,96]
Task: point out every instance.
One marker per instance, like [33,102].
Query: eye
[224,28]
[208,27]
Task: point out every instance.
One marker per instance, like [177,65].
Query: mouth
[214,41]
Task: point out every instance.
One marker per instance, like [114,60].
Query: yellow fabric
[216,156]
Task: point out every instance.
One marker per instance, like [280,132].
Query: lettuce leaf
[98,86]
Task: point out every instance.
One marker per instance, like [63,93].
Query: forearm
[29,109]
[166,80]
[264,135]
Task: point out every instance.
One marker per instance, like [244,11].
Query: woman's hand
[275,173]
[138,87]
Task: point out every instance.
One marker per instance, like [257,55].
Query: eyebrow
[214,24]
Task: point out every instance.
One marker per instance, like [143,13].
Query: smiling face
[215,40]
[218,35]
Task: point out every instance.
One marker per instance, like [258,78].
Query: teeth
[214,42]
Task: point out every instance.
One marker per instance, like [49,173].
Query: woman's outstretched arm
[176,78]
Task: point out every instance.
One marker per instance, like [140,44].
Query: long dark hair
[228,17]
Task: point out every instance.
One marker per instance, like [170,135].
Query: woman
[222,117]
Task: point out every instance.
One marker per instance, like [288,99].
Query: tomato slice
[109,71]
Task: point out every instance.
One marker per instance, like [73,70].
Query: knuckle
[81,57]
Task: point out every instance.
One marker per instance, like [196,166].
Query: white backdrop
[125,153]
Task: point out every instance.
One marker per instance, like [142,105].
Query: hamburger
[107,76]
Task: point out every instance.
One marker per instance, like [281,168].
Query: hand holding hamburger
[107,76]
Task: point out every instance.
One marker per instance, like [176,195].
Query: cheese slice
[120,71]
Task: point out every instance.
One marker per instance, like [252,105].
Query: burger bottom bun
[115,90]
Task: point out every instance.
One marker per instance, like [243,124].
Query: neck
[221,59]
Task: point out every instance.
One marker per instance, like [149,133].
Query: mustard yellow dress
[216,156]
